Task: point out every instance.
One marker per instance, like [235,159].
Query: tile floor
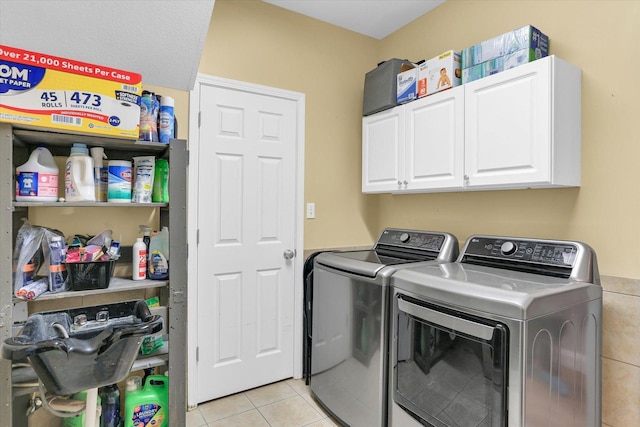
[283,404]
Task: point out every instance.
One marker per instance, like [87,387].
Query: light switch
[311,210]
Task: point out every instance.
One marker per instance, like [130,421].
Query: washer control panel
[412,239]
[546,252]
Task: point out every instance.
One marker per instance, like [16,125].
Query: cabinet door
[434,142]
[382,149]
[507,128]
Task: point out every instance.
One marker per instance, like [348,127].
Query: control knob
[508,248]
[404,237]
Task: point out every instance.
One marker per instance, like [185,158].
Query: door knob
[288,254]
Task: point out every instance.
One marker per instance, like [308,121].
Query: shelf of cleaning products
[56,139]
[116,284]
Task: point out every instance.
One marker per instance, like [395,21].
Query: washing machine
[349,321]
[508,335]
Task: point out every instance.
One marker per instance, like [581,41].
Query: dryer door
[448,368]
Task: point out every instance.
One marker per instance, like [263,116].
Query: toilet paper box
[45,91]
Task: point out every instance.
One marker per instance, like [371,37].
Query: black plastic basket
[90,275]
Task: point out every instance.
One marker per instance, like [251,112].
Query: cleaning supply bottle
[160,192]
[149,106]
[139,260]
[146,238]
[119,181]
[79,420]
[100,173]
[159,255]
[165,129]
[149,405]
[57,268]
[78,175]
[110,397]
[37,180]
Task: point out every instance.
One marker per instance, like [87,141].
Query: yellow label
[51,92]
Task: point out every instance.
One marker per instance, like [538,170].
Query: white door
[508,127]
[383,151]
[435,141]
[247,160]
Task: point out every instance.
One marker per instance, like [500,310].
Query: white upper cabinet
[415,147]
[516,129]
[382,149]
[522,127]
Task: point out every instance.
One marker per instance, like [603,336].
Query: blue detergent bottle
[159,255]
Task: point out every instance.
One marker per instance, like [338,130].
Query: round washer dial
[508,248]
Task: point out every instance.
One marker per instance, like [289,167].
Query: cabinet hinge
[197,236]
[197,354]
[199,118]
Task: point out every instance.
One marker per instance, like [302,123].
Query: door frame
[192,219]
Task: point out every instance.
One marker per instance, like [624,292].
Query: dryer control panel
[545,252]
[423,240]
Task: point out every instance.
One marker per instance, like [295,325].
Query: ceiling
[373,18]
[162,40]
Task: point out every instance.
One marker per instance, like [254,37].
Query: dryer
[509,335]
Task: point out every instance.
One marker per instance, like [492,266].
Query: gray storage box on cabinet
[380,86]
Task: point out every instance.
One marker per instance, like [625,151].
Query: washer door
[449,369]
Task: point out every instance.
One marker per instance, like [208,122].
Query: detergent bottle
[158,265]
[37,180]
[148,405]
[78,175]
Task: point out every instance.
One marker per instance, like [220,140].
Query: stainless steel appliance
[349,340]
[509,335]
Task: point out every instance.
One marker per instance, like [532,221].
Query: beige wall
[258,43]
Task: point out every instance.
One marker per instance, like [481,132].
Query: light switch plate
[311,210]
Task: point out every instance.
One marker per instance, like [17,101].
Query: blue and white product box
[439,73]
[497,65]
[407,84]
[527,37]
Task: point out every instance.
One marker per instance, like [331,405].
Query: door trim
[194,109]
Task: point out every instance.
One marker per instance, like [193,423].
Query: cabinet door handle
[405,182]
[399,182]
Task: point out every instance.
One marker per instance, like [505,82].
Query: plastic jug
[160,192]
[37,180]
[148,405]
[78,420]
[159,255]
[78,175]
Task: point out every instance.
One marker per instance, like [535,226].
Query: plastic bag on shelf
[31,253]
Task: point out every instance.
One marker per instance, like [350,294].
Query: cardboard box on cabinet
[527,37]
[439,73]
[497,65]
[407,83]
[46,91]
